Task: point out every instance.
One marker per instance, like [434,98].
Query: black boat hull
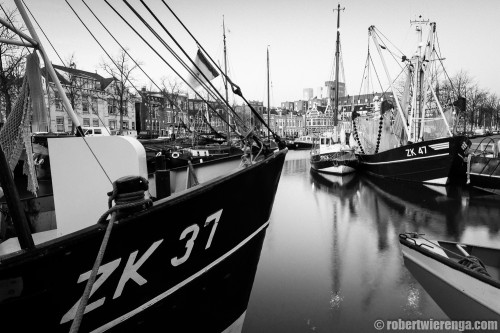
[185,264]
[439,161]
[302,145]
[335,163]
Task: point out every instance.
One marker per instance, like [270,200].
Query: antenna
[418,27]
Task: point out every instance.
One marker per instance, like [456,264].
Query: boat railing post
[162,178]
[462,250]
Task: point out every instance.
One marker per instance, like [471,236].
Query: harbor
[159,191]
[332,261]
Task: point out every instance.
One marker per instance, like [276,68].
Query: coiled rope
[124,201]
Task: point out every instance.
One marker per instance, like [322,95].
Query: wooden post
[162,178]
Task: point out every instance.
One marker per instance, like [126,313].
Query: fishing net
[15,135]
[375,133]
[436,127]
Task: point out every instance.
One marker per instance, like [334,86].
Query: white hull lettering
[194,229]
[105,271]
[214,217]
[130,271]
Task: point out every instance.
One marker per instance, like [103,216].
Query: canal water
[331,260]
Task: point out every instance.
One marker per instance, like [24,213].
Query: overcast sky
[300,33]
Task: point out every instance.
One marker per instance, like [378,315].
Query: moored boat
[413,140]
[329,156]
[483,166]
[462,279]
[117,257]
[304,142]
[437,162]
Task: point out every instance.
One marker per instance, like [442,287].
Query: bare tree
[74,87]
[12,64]
[476,98]
[172,89]
[120,68]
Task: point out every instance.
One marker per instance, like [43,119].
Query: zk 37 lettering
[130,272]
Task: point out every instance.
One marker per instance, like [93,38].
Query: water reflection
[332,261]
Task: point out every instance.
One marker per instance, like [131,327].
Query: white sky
[300,33]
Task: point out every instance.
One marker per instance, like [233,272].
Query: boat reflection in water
[332,260]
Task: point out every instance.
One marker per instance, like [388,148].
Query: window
[86,122]
[133,125]
[60,124]
[125,125]
[58,102]
[95,122]
[112,124]
[94,105]
[85,103]
[111,106]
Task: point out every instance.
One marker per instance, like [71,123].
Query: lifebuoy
[175,154]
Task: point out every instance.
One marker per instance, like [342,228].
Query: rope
[471,262]
[474,264]
[122,201]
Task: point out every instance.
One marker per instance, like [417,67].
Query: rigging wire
[236,89]
[191,71]
[180,47]
[154,50]
[440,58]
[135,62]
[43,32]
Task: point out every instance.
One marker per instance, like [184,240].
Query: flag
[202,66]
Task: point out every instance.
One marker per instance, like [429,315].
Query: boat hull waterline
[187,262]
[439,161]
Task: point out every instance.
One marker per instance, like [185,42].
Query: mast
[337,53]
[268,104]
[48,65]
[225,81]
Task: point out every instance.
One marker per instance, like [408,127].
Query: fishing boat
[120,257]
[483,165]
[463,279]
[331,155]
[413,140]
